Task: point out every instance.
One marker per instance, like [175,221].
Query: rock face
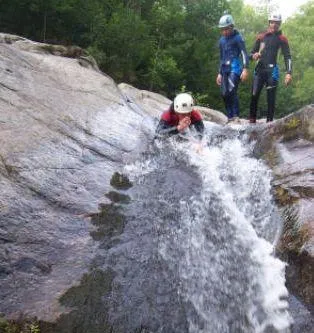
[65,130]
[154,104]
[288,148]
[62,134]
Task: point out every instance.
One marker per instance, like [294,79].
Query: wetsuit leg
[272,82]
[258,83]
[271,99]
[234,100]
[225,94]
[230,82]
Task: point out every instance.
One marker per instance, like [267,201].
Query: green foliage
[304,88]
[123,44]
[164,73]
[301,31]
[162,45]
[34,328]
[293,123]
[19,326]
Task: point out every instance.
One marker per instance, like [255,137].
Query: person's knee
[233,92]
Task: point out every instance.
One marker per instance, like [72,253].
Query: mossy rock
[294,234]
[61,50]
[86,303]
[109,222]
[271,157]
[117,197]
[283,196]
[22,325]
[120,182]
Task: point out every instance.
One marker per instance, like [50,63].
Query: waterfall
[197,251]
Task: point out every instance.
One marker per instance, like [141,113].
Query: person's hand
[288,79]
[256,56]
[198,147]
[218,79]
[244,75]
[184,123]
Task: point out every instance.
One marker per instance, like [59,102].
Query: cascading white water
[243,186]
[218,242]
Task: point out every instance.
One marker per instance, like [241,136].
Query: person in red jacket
[180,116]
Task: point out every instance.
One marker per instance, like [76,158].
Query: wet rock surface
[62,134]
[66,130]
[288,147]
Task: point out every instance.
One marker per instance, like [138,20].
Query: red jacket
[172,119]
[169,121]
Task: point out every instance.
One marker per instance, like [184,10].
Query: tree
[122,44]
[165,45]
[300,30]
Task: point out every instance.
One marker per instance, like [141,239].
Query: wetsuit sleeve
[198,123]
[256,47]
[286,54]
[164,129]
[243,52]
[220,58]
[199,126]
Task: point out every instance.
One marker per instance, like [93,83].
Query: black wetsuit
[267,71]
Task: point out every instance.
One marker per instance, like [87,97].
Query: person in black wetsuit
[266,72]
[180,116]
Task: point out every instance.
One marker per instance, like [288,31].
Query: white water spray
[223,247]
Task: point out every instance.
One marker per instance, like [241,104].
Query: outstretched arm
[164,129]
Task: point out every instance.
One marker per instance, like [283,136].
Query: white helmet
[183,103]
[226,21]
[275,17]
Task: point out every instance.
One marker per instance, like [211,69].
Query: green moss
[294,235]
[65,51]
[91,289]
[271,157]
[293,123]
[52,49]
[109,214]
[283,197]
[23,325]
[110,222]
[87,307]
[120,182]
[292,129]
[118,197]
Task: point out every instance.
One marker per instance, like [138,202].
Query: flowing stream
[196,251]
